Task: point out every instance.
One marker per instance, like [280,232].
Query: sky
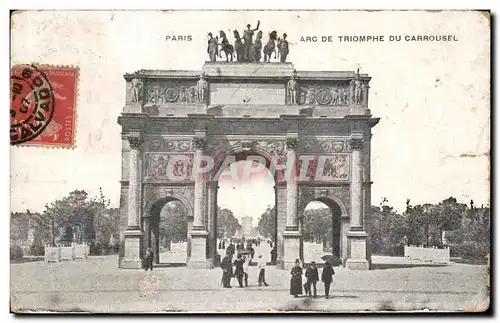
[433,99]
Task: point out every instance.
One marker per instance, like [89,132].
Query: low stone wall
[52,254]
[67,253]
[59,253]
[435,255]
[82,251]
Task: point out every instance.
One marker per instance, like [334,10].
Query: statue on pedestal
[257,47]
[293,89]
[357,88]
[201,88]
[213,47]
[283,48]
[136,90]
[248,40]
[239,48]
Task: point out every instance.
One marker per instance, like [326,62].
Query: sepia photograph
[250,161]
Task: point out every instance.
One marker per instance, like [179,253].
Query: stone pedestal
[357,242]
[291,241]
[132,258]
[198,257]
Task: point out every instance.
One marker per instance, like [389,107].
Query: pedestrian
[239,272]
[149,259]
[227,270]
[327,277]
[296,280]
[246,266]
[251,250]
[230,249]
[312,278]
[262,271]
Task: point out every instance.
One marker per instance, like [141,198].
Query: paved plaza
[97,285]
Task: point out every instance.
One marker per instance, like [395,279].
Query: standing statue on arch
[213,47]
[283,48]
[293,89]
[239,48]
[248,41]
[201,89]
[257,47]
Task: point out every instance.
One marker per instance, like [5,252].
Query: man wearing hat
[227,270]
[327,277]
[312,278]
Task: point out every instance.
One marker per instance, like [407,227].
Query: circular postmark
[32,103]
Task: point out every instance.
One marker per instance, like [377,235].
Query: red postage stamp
[43,105]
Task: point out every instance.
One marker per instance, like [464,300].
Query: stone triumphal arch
[318,122]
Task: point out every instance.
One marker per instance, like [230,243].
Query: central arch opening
[321,231]
[246,207]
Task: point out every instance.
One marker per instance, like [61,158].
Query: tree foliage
[267,223]
[173,223]
[466,231]
[89,220]
[227,223]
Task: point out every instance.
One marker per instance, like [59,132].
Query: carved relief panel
[164,92]
[333,94]
[324,168]
[168,166]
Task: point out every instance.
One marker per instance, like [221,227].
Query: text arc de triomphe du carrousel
[318,120]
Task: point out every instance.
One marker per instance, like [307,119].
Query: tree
[449,215]
[173,217]
[267,223]
[388,232]
[227,223]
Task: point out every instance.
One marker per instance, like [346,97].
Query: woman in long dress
[296,280]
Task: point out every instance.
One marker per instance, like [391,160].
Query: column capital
[356,144]
[135,141]
[292,140]
[200,142]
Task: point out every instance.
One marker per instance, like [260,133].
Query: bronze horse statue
[270,46]
[238,47]
[226,47]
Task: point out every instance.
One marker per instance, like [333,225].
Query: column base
[132,249]
[198,259]
[291,241]
[357,250]
[357,264]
